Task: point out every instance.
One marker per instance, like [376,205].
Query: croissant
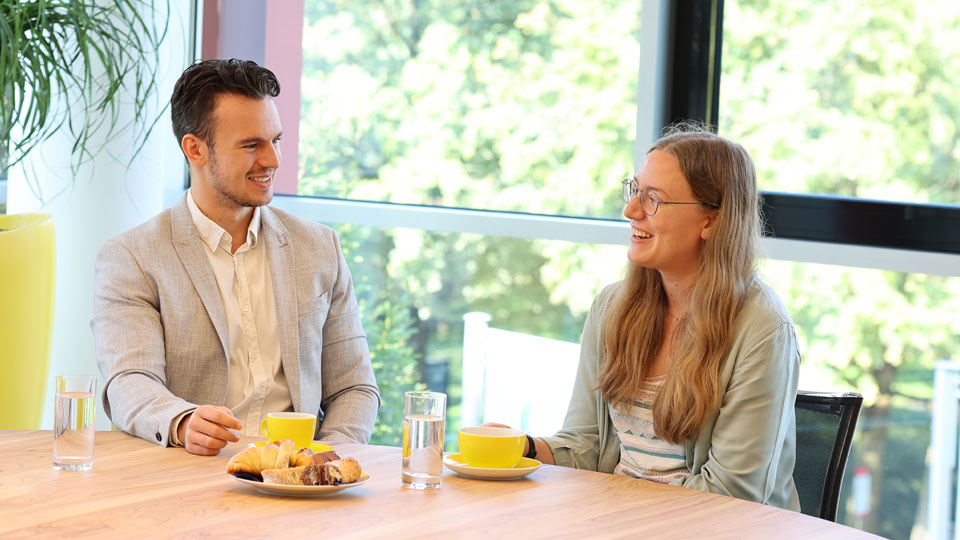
[285,452]
[276,455]
[246,460]
[268,456]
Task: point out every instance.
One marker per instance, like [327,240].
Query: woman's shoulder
[606,297]
[764,308]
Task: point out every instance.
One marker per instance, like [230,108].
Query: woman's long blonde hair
[720,173]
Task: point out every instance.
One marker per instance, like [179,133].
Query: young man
[222,310]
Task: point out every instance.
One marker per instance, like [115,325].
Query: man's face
[245,154]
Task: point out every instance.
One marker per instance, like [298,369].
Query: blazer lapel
[283,275]
[187,243]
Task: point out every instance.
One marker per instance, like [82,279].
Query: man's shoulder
[148,235]
[299,228]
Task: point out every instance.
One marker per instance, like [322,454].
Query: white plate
[302,491]
[456,464]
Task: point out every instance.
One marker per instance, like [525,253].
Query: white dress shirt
[257,385]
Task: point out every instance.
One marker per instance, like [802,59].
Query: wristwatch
[532,448]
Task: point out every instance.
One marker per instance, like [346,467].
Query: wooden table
[140,490]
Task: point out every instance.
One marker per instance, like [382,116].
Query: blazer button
[159,438]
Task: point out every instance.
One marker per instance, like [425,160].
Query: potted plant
[67,66]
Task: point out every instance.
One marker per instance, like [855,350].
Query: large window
[468,154]
[414,288]
[849,98]
[505,105]
[845,101]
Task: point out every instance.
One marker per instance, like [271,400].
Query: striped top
[642,453]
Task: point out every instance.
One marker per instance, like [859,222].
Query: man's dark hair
[195,93]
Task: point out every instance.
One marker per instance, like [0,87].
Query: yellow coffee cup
[491,447]
[298,427]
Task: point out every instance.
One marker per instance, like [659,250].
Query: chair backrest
[825,425]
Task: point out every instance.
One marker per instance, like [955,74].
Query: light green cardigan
[747,449]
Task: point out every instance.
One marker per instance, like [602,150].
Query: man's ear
[195,149]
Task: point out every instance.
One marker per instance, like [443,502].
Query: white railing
[943,503]
[517,379]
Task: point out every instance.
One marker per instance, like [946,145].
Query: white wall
[104,199]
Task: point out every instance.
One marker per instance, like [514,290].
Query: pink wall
[284,56]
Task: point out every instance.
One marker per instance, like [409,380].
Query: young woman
[688,368]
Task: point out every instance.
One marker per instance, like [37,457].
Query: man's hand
[204,431]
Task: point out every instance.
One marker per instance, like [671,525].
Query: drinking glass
[424,420]
[73,419]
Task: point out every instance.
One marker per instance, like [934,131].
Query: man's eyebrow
[250,140]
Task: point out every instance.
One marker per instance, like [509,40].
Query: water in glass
[73,431]
[422,451]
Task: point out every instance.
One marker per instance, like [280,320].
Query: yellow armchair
[27,281]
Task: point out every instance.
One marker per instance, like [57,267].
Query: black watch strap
[532,451]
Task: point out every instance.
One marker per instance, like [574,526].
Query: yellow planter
[27,281]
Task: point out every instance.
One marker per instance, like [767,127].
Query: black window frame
[693,93]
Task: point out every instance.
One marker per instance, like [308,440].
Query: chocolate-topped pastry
[323,457]
[340,471]
[311,475]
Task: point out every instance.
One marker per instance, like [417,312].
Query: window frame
[679,77]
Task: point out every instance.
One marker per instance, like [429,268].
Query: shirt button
[159,438]
[246,308]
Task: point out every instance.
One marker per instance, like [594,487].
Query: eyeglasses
[650,201]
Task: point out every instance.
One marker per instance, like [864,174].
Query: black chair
[825,425]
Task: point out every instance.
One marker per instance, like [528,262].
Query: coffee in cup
[491,447]
[298,427]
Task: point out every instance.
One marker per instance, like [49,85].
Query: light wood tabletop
[140,490]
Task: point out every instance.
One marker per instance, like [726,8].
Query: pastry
[285,450]
[278,463]
[340,471]
[323,457]
[301,457]
[247,461]
[268,456]
[276,455]
[283,476]
[311,475]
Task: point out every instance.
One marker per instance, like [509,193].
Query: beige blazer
[160,328]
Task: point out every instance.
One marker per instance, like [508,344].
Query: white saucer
[524,467]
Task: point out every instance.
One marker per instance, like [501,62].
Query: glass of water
[424,420]
[73,418]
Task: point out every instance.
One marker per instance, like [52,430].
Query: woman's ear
[195,149]
[707,229]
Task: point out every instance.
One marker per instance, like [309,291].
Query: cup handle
[263,428]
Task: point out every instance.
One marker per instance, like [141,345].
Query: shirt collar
[214,235]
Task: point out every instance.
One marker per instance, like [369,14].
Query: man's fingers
[200,450]
[220,416]
[206,441]
[213,430]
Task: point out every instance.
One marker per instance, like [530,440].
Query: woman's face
[670,240]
